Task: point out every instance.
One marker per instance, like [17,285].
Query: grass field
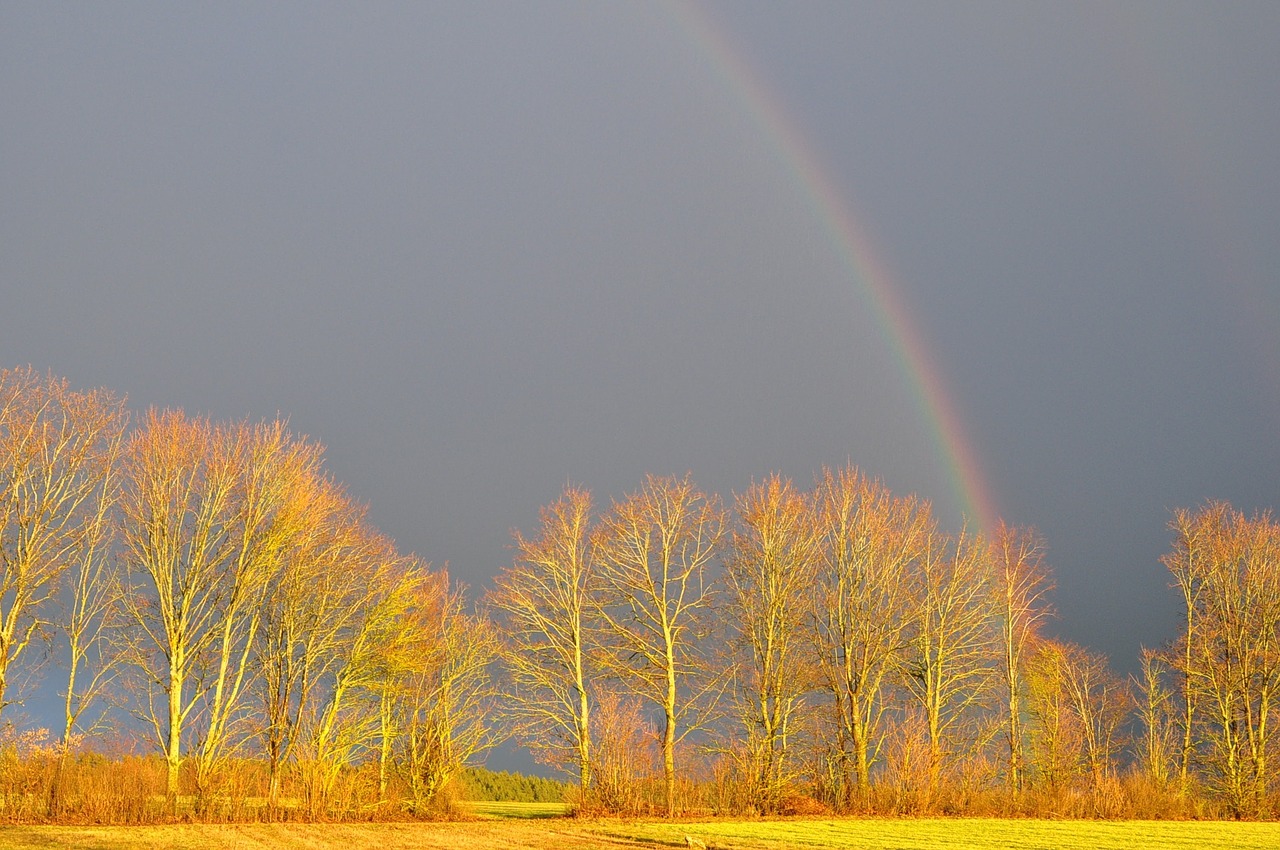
[519,811]
[520,829]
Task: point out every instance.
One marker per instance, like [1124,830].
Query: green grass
[939,833]
[523,811]
[517,832]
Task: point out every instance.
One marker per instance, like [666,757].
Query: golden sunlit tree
[1100,701]
[1229,568]
[1020,587]
[1157,720]
[93,607]
[443,697]
[1054,747]
[862,606]
[1196,535]
[1198,542]
[950,675]
[336,570]
[655,551]
[543,606]
[57,451]
[622,755]
[768,578]
[358,640]
[207,513]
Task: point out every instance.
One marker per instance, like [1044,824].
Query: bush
[803,804]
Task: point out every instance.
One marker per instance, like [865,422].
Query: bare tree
[275,472]
[336,568]
[1231,564]
[92,610]
[207,513]
[1195,537]
[544,604]
[655,549]
[1156,718]
[354,649]
[768,579]
[56,450]
[444,697]
[1021,586]
[1077,707]
[952,644]
[1101,701]
[623,755]
[177,499]
[862,608]
[1054,737]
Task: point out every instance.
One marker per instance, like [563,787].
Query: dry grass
[383,836]
[546,834]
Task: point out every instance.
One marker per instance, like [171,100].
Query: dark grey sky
[481,250]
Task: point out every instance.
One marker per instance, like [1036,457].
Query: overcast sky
[483,250]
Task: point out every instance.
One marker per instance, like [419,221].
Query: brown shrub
[803,804]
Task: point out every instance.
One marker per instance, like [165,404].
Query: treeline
[478,783]
[212,583]
[241,643]
[832,649]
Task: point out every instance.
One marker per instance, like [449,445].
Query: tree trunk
[860,755]
[173,746]
[669,762]
[584,743]
[384,748]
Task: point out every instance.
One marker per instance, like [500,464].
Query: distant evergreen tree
[480,783]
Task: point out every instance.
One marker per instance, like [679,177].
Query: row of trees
[1222,706]
[845,635]
[851,651]
[797,650]
[213,582]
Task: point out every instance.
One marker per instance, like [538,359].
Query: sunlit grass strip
[938,833]
[528,811]
[521,833]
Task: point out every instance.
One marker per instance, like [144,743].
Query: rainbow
[858,255]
